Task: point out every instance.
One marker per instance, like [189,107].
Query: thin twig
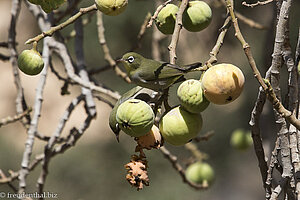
[61,50]
[213,54]
[85,22]
[195,151]
[158,9]
[14,175]
[141,32]
[179,169]
[52,30]
[250,22]
[244,19]
[3,177]
[258,3]
[75,134]
[15,118]
[21,104]
[204,137]
[68,11]
[106,51]
[177,29]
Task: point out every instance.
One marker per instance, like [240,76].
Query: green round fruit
[191,96]
[200,172]
[166,18]
[111,7]
[178,126]
[135,117]
[223,83]
[30,62]
[241,140]
[197,16]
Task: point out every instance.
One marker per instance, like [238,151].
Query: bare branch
[68,11]
[21,105]
[15,118]
[177,29]
[158,9]
[250,22]
[256,136]
[35,119]
[75,134]
[204,137]
[275,79]
[195,151]
[179,169]
[51,31]
[213,54]
[90,104]
[246,20]
[273,161]
[106,51]
[276,192]
[258,3]
[267,87]
[53,140]
[141,32]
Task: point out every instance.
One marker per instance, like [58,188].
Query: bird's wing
[167,70]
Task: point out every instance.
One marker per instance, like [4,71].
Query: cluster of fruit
[220,84]
[196,17]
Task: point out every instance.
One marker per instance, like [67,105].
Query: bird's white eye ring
[130,59]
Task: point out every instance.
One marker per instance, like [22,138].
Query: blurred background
[94,168]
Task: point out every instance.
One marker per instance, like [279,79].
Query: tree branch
[51,31]
[267,87]
[178,168]
[258,3]
[177,29]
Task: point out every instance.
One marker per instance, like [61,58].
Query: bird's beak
[118,137]
[120,60]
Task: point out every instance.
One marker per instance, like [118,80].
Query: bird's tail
[191,67]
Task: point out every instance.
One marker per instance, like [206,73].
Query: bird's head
[131,61]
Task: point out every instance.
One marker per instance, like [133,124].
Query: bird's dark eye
[130,59]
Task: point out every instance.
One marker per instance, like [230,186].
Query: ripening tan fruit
[223,83]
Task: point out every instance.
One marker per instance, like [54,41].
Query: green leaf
[48,5]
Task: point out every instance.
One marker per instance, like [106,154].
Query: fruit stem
[34,46]
[200,156]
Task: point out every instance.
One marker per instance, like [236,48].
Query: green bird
[137,92]
[152,74]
